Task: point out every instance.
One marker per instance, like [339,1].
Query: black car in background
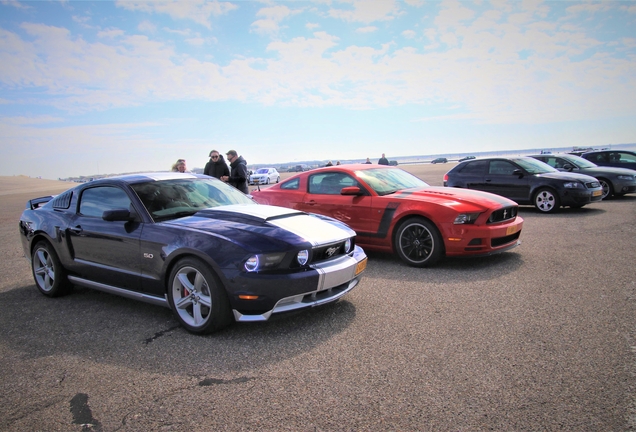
[615,181]
[439,160]
[612,158]
[191,243]
[526,181]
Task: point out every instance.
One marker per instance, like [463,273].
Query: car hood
[450,196]
[278,223]
[567,176]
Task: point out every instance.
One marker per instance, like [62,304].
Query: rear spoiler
[38,202]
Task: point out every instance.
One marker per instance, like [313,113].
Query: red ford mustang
[394,211]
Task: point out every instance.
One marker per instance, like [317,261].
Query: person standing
[238,171]
[383,160]
[216,166]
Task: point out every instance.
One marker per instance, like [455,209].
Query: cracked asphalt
[540,338]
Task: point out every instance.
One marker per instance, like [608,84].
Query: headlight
[302,257]
[263,261]
[572,185]
[625,177]
[347,246]
[466,218]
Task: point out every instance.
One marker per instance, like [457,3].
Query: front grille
[500,241]
[504,214]
[592,185]
[326,252]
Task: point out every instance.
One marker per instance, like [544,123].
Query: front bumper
[581,198]
[476,240]
[324,283]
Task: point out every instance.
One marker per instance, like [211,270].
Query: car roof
[147,177]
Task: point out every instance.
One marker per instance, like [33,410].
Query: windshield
[533,166]
[170,199]
[579,161]
[261,171]
[386,181]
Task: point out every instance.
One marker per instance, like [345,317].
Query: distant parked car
[615,181]
[526,181]
[465,158]
[612,158]
[299,168]
[439,160]
[393,163]
[265,176]
[394,211]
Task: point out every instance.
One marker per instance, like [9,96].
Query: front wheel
[418,242]
[546,201]
[267,181]
[48,273]
[608,190]
[197,298]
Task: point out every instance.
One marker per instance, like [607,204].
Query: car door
[105,251]
[324,197]
[503,178]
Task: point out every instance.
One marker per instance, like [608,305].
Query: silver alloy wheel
[607,188]
[191,296]
[546,201]
[43,269]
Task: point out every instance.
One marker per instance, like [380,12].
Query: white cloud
[367,29]
[147,27]
[198,11]
[409,34]
[366,11]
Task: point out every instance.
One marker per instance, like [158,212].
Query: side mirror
[568,167]
[518,172]
[122,214]
[351,190]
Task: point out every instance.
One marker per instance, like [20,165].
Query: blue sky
[98,87]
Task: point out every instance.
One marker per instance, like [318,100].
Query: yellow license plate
[597,193]
[511,229]
[361,266]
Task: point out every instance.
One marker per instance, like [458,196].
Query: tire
[608,189]
[546,201]
[277,179]
[197,298]
[267,181]
[418,242]
[48,273]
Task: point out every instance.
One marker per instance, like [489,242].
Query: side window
[554,162]
[501,168]
[95,201]
[477,167]
[330,183]
[291,185]
[627,157]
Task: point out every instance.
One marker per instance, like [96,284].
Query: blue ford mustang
[191,243]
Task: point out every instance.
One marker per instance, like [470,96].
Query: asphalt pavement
[541,338]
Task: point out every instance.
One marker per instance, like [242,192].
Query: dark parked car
[612,158]
[191,243]
[465,158]
[526,181]
[439,160]
[615,181]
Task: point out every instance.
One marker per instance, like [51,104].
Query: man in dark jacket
[216,166]
[238,172]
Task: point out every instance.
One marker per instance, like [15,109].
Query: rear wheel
[197,298]
[546,201]
[418,242]
[608,190]
[48,273]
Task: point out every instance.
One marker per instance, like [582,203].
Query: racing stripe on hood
[314,230]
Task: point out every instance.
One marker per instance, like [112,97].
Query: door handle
[310,203]
[77,230]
